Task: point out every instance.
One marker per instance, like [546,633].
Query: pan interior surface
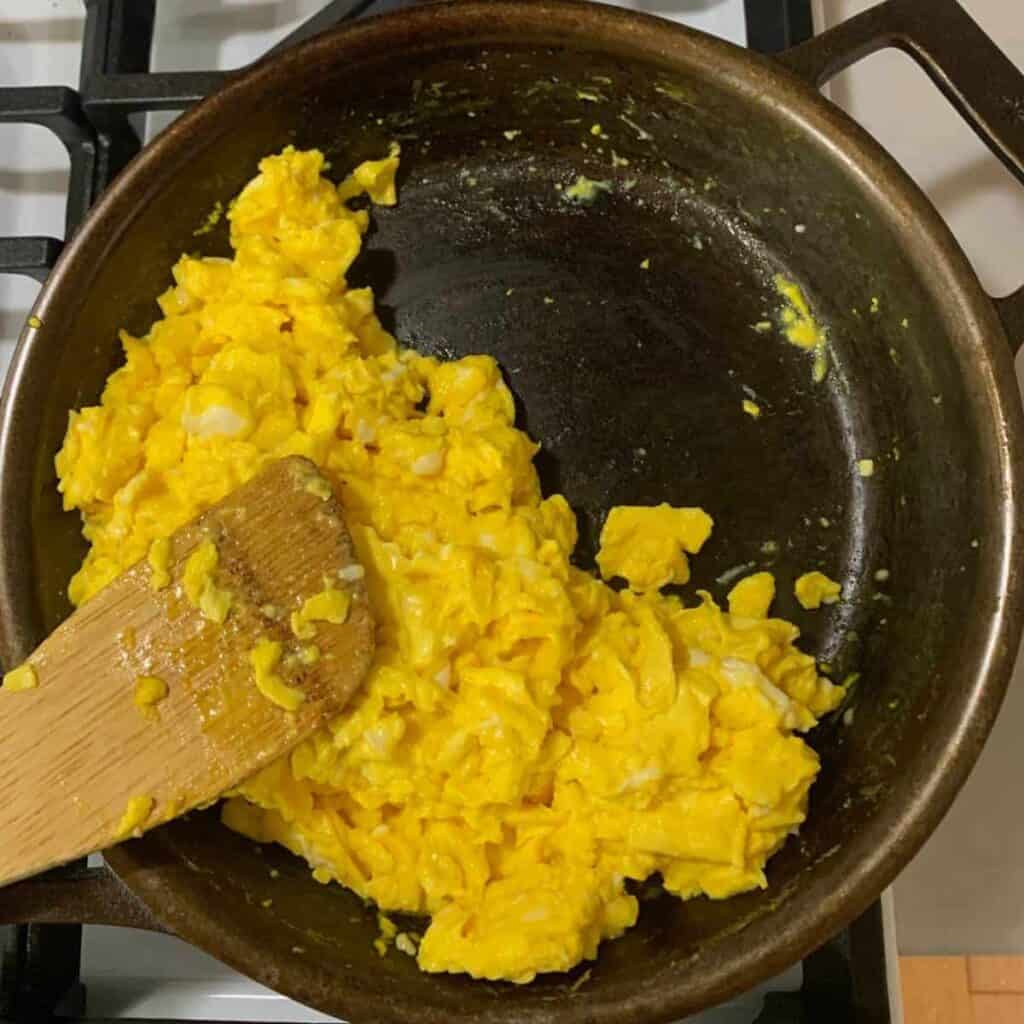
[625,323]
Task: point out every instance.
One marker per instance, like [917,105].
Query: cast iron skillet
[632,379]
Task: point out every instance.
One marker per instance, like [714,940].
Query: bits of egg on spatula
[229,644]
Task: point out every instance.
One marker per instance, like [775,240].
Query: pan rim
[865,865]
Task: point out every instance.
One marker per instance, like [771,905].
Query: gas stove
[82,88]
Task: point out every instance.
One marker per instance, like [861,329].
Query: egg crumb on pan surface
[645,546]
[528,739]
[814,589]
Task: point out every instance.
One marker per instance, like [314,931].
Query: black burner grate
[100,126]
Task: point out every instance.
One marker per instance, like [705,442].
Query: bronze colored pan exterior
[728,153]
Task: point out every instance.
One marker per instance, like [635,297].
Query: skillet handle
[972,72]
[75,895]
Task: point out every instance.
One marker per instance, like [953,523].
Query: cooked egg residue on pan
[752,596]
[814,589]
[528,739]
[800,326]
[583,191]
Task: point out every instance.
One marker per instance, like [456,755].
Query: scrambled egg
[135,815]
[330,605]
[752,596]
[149,691]
[265,658]
[814,589]
[645,546]
[800,327]
[198,579]
[320,487]
[159,560]
[527,739]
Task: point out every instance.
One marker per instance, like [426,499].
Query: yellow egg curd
[527,739]
[135,814]
[149,691]
[814,589]
[645,546]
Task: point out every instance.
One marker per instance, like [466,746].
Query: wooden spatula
[142,706]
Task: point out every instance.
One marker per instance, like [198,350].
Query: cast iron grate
[99,125]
